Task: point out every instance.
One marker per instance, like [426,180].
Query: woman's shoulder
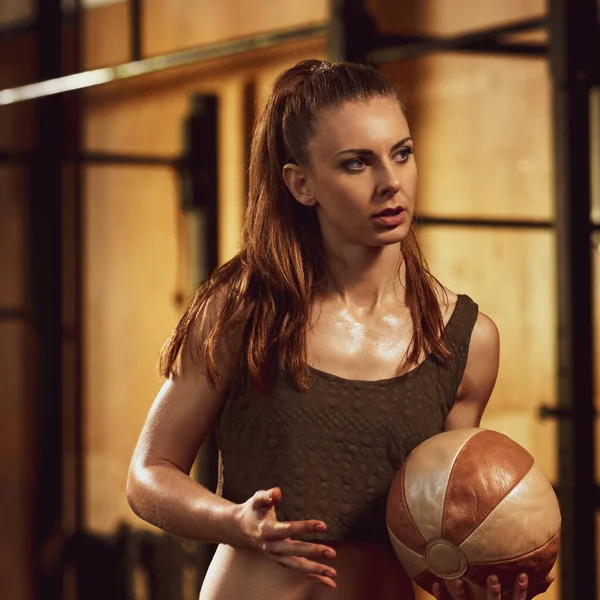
[224,301]
[447,300]
[484,329]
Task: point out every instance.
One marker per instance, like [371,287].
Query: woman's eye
[356,164]
[404,154]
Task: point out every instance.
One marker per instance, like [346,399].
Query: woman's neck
[367,281]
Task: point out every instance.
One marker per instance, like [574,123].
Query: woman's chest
[364,349]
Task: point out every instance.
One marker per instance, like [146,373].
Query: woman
[322,353]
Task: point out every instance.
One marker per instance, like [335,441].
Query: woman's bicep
[479,377]
[188,404]
[181,418]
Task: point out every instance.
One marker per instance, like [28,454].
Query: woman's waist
[365,571]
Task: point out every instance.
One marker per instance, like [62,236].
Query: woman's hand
[457,590]
[261,530]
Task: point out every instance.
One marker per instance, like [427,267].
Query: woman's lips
[389,218]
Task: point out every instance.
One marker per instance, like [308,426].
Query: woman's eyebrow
[370,152]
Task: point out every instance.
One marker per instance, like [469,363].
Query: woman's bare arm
[479,377]
[159,489]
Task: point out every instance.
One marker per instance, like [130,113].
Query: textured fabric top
[335,449]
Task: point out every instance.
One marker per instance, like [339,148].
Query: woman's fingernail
[494,580]
[320,527]
[329,553]
[523,578]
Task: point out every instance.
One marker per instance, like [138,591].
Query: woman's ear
[297,180]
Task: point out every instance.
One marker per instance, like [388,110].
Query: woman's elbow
[134,488]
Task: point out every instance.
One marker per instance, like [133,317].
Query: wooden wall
[483,144]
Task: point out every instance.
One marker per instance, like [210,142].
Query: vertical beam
[573,31]
[78,245]
[46,301]
[352,33]
[135,24]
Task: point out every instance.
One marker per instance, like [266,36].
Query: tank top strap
[457,336]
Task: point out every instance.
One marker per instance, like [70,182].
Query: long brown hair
[274,278]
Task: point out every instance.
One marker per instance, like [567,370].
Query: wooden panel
[15,11]
[16,120]
[15,470]
[482,135]
[106,36]
[131,284]
[447,17]
[177,24]
[232,167]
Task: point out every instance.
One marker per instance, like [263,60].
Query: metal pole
[45,236]
[573,33]
[86,79]
[135,27]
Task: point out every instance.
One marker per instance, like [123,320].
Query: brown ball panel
[398,517]
[536,564]
[487,468]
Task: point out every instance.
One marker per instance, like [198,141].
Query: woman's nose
[389,183]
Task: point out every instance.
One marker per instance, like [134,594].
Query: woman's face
[361,162]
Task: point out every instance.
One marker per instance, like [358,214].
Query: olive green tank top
[335,449]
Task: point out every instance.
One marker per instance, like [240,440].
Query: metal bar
[135,27]
[9,313]
[17,29]
[45,290]
[97,158]
[86,79]
[110,158]
[12,156]
[506,49]
[484,40]
[574,35]
[494,223]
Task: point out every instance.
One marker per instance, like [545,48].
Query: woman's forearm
[163,495]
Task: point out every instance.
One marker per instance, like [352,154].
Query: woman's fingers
[460,590]
[520,587]
[298,548]
[439,591]
[265,499]
[307,566]
[494,589]
[453,590]
[326,581]
[280,530]
[541,587]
